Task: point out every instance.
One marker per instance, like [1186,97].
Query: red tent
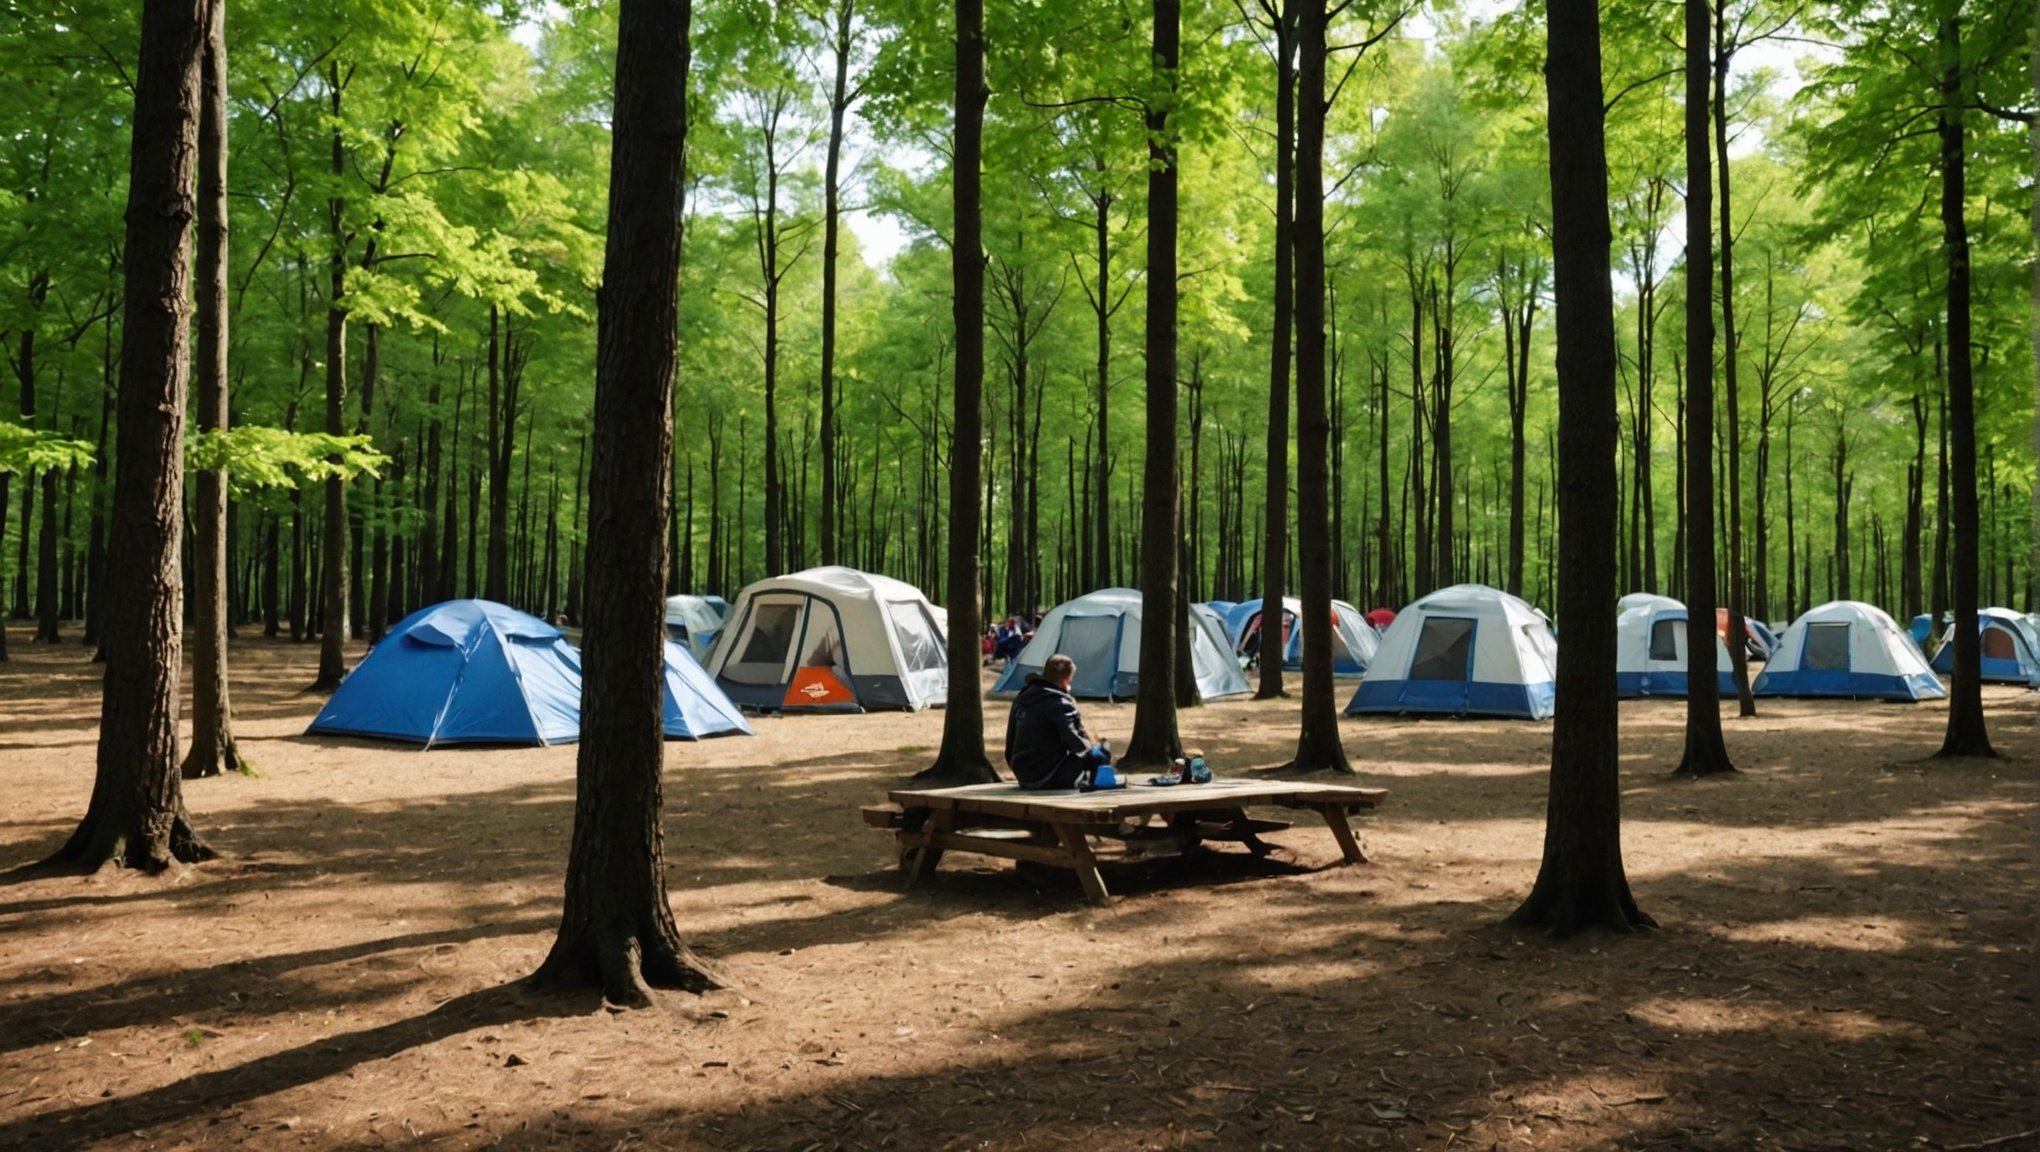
[1381,618]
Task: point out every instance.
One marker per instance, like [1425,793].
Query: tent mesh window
[1442,649]
[1664,639]
[1827,647]
[771,634]
[1092,642]
[824,643]
[920,643]
[1997,645]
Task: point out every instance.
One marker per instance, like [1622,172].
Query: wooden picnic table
[1057,827]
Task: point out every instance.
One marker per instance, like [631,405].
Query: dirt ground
[1846,959]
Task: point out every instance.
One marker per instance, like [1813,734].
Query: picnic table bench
[1056,827]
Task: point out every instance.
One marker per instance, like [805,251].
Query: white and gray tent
[1848,649]
[832,639]
[1101,632]
[1467,650]
[1650,649]
[696,621]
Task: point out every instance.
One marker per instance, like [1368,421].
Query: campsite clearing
[1846,959]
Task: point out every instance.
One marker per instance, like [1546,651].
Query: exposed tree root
[100,843]
[202,764]
[1596,900]
[624,968]
[952,768]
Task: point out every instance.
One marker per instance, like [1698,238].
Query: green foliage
[27,450]
[255,456]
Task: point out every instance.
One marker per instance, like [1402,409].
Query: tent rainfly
[832,639]
[1101,632]
[2011,648]
[1848,649]
[1650,649]
[1354,640]
[696,621]
[1467,650]
[462,672]
[694,706]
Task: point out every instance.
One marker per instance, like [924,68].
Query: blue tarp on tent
[695,707]
[478,672]
[462,672]
[2010,651]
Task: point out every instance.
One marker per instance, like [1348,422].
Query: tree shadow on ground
[1707,1035]
[221,1090]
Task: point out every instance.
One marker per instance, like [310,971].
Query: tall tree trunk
[1317,746]
[213,749]
[95,547]
[961,757]
[502,440]
[136,816]
[617,930]
[1155,740]
[333,626]
[1275,518]
[1101,494]
[47,621]
[1705,752]
[1966,735]
[1731,345]
[1581,882]
[378,575]
[428,499]
[839,104]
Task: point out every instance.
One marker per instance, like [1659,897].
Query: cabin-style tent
[2011,648]
[1354,640]
[1101,632]
[696,621]
[1650,649]
[1848,649]
[1467,650]
[832,639]
[462,672]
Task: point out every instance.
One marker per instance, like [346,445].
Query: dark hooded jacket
[1045,743]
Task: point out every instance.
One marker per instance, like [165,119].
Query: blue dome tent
[478,672]
[2010,647]
[695,707]
[462,672]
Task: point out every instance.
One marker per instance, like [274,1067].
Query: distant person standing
[1046,745]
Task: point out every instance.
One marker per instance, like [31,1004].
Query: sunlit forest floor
[1846,959]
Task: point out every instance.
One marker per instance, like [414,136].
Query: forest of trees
[417,191]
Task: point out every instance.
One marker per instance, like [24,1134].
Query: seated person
[1046,745]
[1011,640]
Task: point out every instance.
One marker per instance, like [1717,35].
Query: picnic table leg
[1335,819]
[925,854]
[1083,863]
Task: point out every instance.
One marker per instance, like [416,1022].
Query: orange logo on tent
[816,687]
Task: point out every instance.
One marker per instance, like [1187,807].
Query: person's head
[1059,669]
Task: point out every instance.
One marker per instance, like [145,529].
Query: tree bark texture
[1155,740]
[333,582]
[1705,752]
[616,929]
[961,758]
[136,816]
[1966,735]
[213,749]
[1581,882]
[1317,746]
[1737,639]
[1275,524]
